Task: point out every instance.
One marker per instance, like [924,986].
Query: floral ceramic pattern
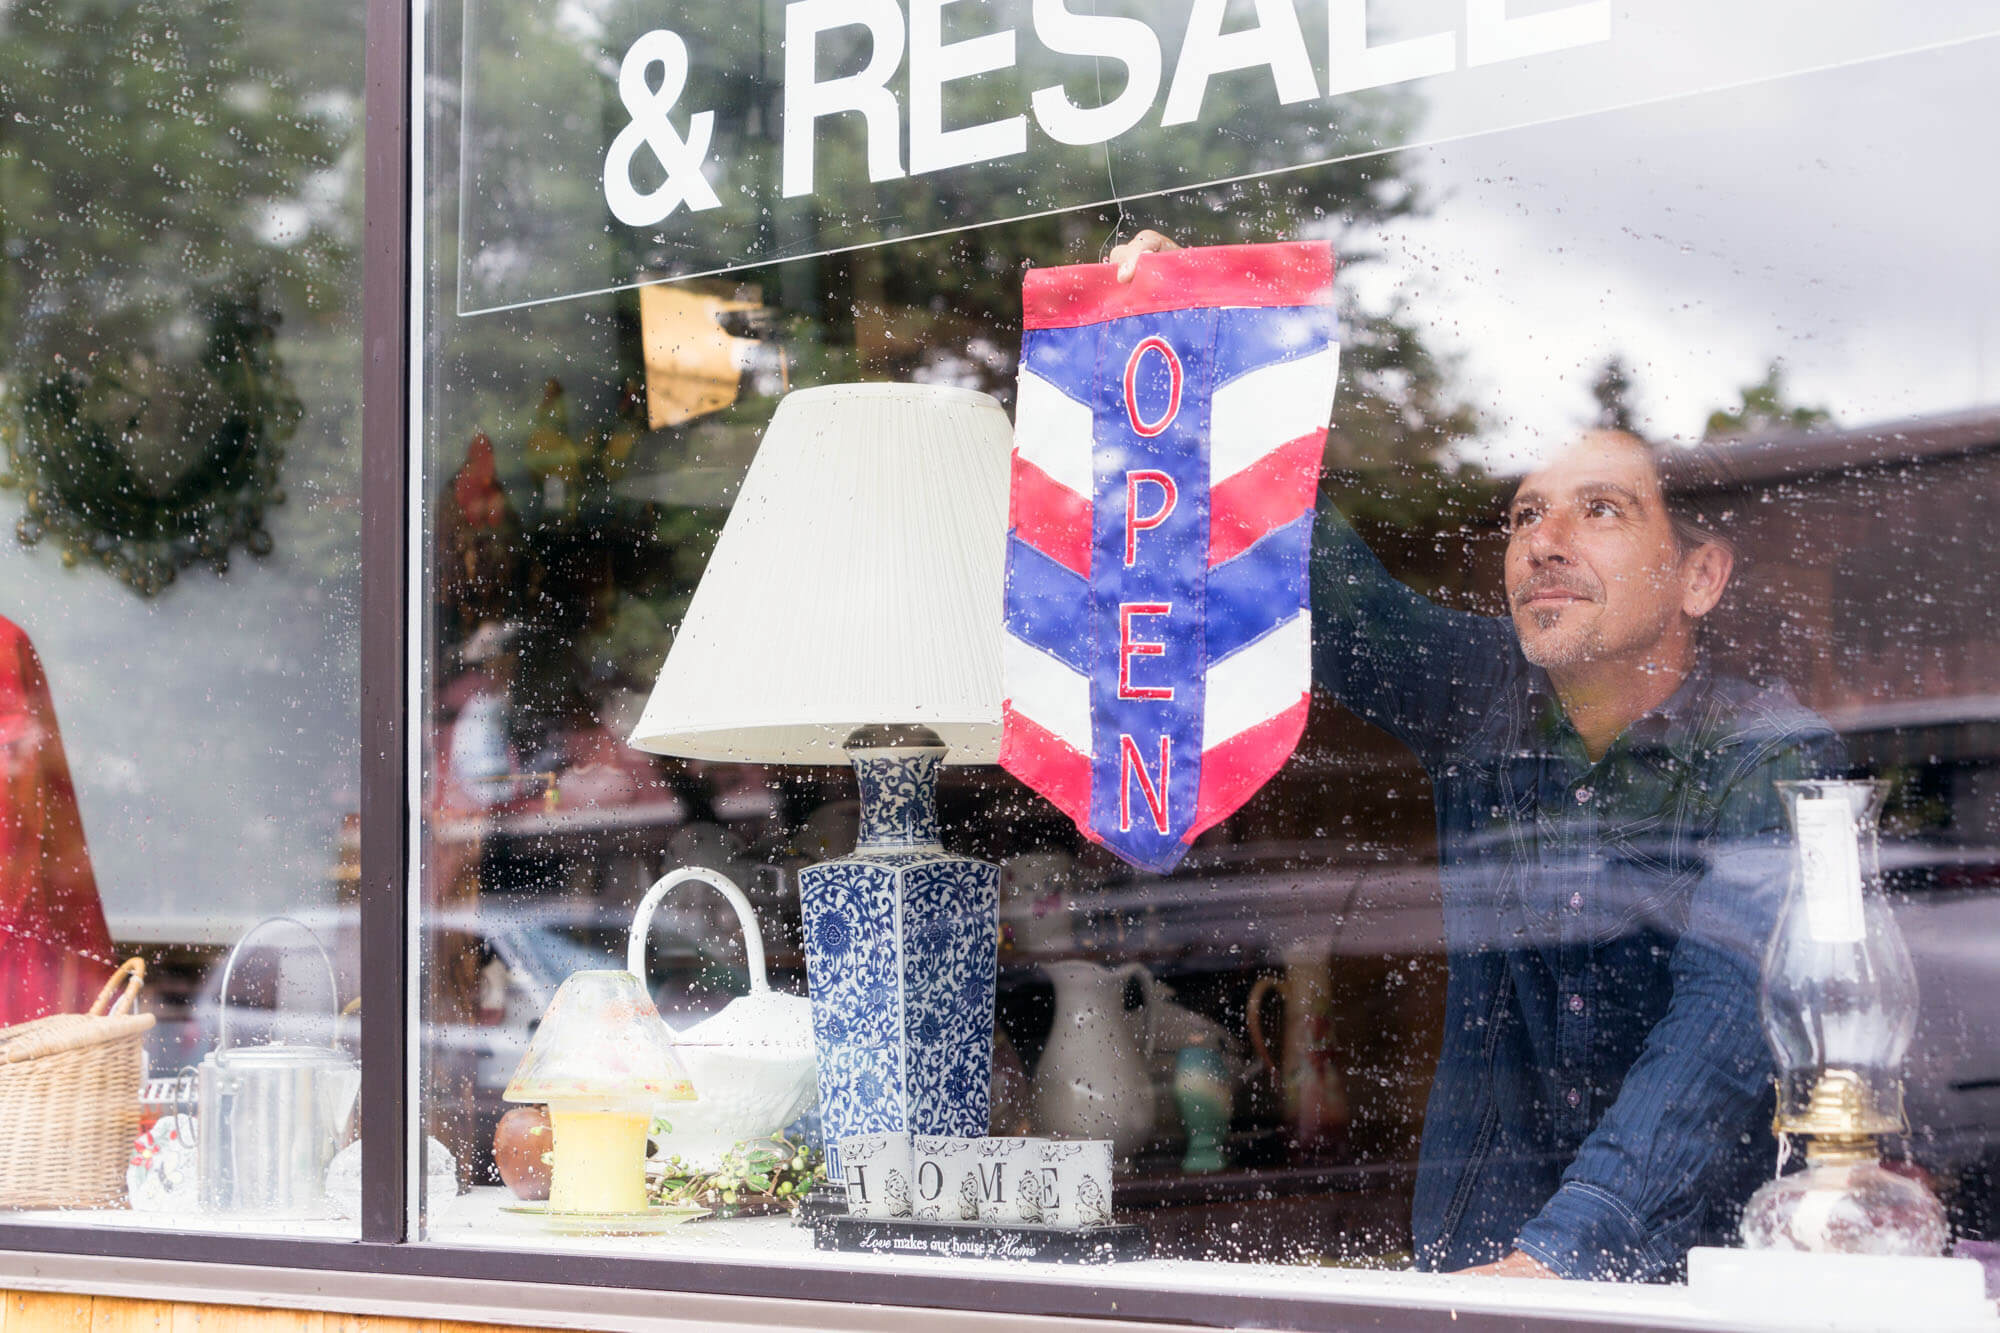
[898,798]
[900,959]
[901,946]
[950,947]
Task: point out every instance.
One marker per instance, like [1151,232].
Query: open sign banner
[1166,457]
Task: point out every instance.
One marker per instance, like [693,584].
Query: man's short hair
[1694,488]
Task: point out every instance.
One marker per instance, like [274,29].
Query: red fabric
[1050,517]
[55,950]
[1041,758]
[1277,489]
[1286,273]
[1232,771]
[476,488]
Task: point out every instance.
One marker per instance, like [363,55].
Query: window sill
[454,1268]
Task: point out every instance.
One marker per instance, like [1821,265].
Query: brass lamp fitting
[1842,1120]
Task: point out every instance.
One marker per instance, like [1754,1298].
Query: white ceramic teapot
[752,1063]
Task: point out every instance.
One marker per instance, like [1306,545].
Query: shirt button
[1576,1004]
[1583,796]
[1574,1097]
[1576,902]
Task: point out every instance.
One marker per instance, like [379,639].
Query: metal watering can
[270,1118]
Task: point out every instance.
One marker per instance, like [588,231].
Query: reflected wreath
[147,464]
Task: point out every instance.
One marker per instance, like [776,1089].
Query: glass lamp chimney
[1839,1000]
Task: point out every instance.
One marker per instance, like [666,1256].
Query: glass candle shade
[1839,1000]
[601,1043]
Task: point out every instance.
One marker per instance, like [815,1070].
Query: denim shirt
[1602,1098]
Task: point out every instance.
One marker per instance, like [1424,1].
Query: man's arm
[1635,1198]
[1420,671]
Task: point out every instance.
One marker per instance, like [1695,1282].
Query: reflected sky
[1839,220]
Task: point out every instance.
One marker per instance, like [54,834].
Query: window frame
[390,1241]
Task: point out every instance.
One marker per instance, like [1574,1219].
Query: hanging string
[1110,180]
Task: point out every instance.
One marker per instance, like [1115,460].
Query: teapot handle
[1253,1017]
[642,922]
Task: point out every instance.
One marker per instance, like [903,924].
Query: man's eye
[1601,509]
[1522,518]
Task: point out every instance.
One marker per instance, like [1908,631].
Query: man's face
[1594,573]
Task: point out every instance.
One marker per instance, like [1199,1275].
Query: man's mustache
[1555,580]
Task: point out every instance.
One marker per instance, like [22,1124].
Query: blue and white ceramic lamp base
[902,944]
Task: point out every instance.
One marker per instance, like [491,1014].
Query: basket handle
[642,921]
[132,974]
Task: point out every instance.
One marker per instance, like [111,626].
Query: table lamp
[601,1057]
[851,613]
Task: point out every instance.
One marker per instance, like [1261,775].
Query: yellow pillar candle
[600,1161]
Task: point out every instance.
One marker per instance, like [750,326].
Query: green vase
[1205,1095]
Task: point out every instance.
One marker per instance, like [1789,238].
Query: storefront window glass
[180,215]
[1660,433]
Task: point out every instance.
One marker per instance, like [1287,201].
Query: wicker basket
[69,1100]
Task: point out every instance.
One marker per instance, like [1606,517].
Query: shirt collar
[1671,725]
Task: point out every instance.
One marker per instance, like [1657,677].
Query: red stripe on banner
[1232,772]
[1268,494]
[1049,516]
[1040,758]
[1287,273]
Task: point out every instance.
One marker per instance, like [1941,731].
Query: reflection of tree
[604,570]
[171,179]
[1612,391]
[1765,406]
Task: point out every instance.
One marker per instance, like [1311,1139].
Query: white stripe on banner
[1258,681]
[1046,691]
[1054,432]
[1255,413]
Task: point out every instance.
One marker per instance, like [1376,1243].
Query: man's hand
[1126,255]
[1515,1264]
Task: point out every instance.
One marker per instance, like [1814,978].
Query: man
[1611,849]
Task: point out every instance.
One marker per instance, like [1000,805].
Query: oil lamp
[601,1058]
[1839,1005]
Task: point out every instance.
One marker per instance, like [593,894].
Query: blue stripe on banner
[1159,772]
[1253,339]
[1253,593]
[1064,357]
[1048,605]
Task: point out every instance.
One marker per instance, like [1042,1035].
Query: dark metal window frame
[386,1245]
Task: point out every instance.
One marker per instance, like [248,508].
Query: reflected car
[524,953]
[1241,907]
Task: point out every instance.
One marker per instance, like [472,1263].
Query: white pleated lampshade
[856,583]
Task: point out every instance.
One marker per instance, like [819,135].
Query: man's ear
[1704,574]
